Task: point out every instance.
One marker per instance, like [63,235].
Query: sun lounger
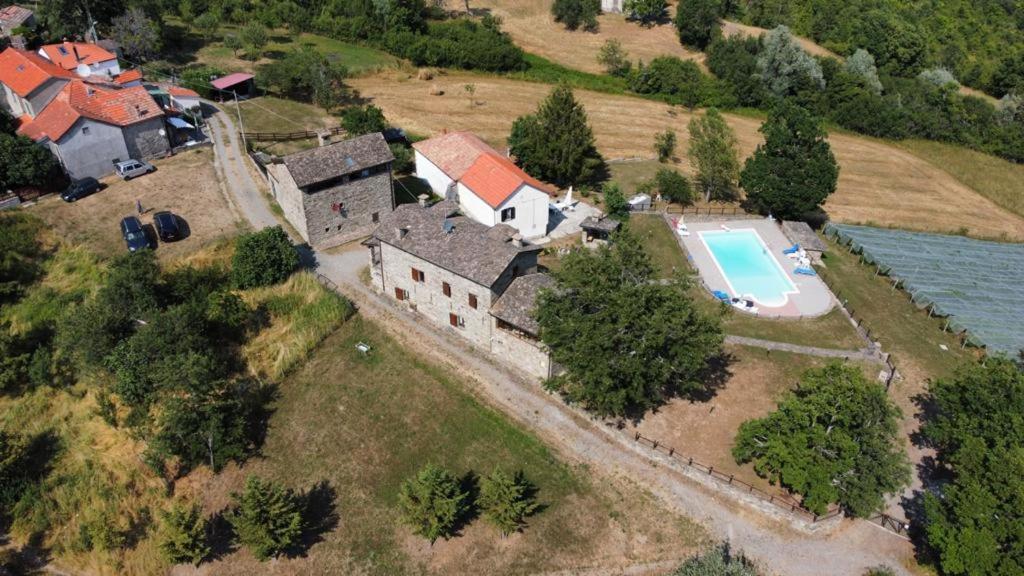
[721,295]
[805,271]
[792,249]
[743,304]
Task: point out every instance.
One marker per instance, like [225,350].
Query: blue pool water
[748,266]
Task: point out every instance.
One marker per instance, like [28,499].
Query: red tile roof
[120,107]
[68,55]
[230,80]
[495,179]
[182,92]
[128,76]
[453,153]
[24,71]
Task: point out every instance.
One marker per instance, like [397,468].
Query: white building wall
[531,211]
[472,206]
[434,176]
[108,68]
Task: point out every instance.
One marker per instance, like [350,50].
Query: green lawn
[272,114]
[365,423]
[661,245]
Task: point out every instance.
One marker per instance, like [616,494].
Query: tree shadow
[715,377]
[138,529]
[927,410]
[469,483]
[220,536]
[320,514]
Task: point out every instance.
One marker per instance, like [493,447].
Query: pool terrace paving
[813,298]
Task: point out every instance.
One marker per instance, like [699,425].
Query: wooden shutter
[472,301]
[453,319]
[415,274]
[447,289]
[399,294]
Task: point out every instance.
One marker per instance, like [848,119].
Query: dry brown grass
[878,183]
[185,184]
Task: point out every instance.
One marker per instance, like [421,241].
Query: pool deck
[813,297]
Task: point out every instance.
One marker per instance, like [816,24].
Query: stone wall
[360,200]
[525,355]
[288,197]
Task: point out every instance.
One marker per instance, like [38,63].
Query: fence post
[730,478]
[711,470]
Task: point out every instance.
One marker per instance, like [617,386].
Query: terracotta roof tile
[120,107]
[495,178]
[182,92]
[128,76]
[68,55]
[24,71]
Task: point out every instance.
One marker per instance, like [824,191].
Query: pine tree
[556,144]
[432,502]
[267,518]
[794,171]
[713,151]
[506,500]
[184,534]
[697,22]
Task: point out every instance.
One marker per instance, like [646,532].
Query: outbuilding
[802,234]
[238,85]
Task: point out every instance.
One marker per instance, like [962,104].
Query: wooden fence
[288,136]
[784,502]
[707,211]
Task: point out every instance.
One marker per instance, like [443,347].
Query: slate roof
[456,243]
[602,224]
[335,160]
[519,302]
[14,16]
[802,234]
[120,107]
[23,71]
[68,55]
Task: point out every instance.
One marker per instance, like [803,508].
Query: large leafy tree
[138,35]
[680,80]
[306,74]
[556,144]
[833,440]
[263,258]
[359,120]
[432,502]
[183,534]
[267,518]
[784,66]
[625,341]
[794,171]
[574,14]
[506,500]
[25,163]
[647,12]
[698,22]
[976,526]
[71,17]
[713,152]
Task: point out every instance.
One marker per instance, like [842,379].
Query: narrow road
[849,550]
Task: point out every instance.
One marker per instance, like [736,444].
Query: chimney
[517,240]
[400,233]
[323,138]
[422,199]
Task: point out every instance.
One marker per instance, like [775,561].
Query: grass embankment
[96,506]
[364,423]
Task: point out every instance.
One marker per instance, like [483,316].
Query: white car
[131,168]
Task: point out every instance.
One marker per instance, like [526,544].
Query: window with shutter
[472,301]
[447,289]
[399,294]
[418,275]
[453,319]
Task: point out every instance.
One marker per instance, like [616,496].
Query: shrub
[359,120]
[267,518]
[614,59]
[615,204]
[576,14]
[673,186]
[263,258]
[665,145]
[719,561]
[697,22]
[680,80]
[404,162]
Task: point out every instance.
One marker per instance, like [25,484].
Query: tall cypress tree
[556,144]
[794,171]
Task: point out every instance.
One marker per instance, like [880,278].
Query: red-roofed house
[489,187]
[29,81]
[80,57]
[129,78]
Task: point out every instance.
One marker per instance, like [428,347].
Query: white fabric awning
[179,123]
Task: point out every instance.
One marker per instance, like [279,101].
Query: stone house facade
[335,193]
[454,271]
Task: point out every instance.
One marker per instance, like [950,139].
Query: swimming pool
[748,266]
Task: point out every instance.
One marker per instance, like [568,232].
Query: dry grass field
[185,184]
[878,183]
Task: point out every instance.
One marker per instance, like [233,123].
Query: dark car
[166,224]
[80,189]
[134,235]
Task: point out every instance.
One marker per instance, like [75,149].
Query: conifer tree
[432,502]
[506,500]
[267,518]
[184,534]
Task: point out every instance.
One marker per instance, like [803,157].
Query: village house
[13,17]
[84,59]
[335,193]
[479,282]
[89,126]
[487,186]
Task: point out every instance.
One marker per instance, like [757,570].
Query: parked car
[166,224]
[80,189]
[134,235]
[131,168]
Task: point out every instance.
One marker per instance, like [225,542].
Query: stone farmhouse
[89,125]
[335,193]
[487,186]
[478,281]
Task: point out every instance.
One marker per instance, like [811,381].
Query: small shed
[613,6]
[239,85]
[640,203]
[802,234]
[599,228]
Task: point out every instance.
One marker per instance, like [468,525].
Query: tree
[187,13]
[784,67]
[233,42]
[833,440]
[615,204]
[648,12]
[665,145]
[614,59]
[713,151]
[734,61]
[137,34]
[254,37]
[672,186]
[306,74]
[263,258]
[432,502]
[794,171]
[23,163]
[506,500]
[556,144]
[359,120]
[939,77]
[183,536]
[20,254]
[626,342]
[470,93]
[267,518]
[404,163]
[67,18]
[576,14]
[862,65]
[698,22]
[680,80]
[208,23]
[718,561]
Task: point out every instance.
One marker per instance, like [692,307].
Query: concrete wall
[144,139]
[90,148]
[611,6]
[288,197]
[438,180]
[360,200]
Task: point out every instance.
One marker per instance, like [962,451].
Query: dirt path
[849,550]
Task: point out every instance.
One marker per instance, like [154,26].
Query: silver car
[131,168]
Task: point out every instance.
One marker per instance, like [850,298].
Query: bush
[665,145]
[198,78]
[719,561]
[615,204]
[614,59]
[680,80]
[263,258]
[267,518]
[673,186]
[404,162]
[697,22]
[359,120]
[576,14]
